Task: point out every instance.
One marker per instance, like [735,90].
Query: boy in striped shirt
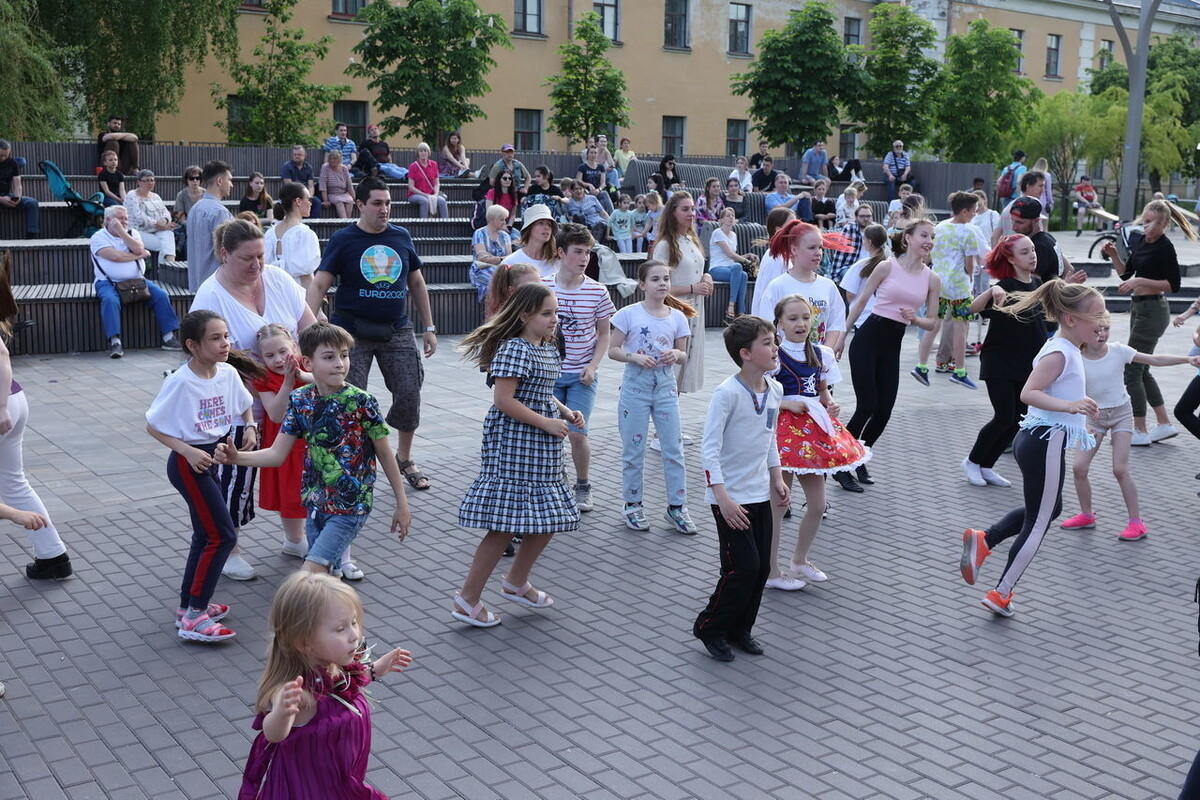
[584,310]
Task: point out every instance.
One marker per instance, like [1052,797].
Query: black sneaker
[863,476]
[115,350]
[847,482]
[719,649]
[172,343]
[47,569]
[748,644]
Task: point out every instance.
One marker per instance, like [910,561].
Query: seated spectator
[813,163]
[112,182]
[256,198]
[454,161]
[337,187]
[300,171]
[656,184]
[187,197]
[764,177]
[491,244]
[624,156]
[341,142]
[897,169]
[735,198]
[783,197]
[380,156]
[844,207]
[592,175]
[543,191]
[604,158]
[425,185]
[118,256]
[757,159]
[583,207]
[11,195]
[849,171]
[709,204]
[824,209]
[148,216]
[123,143]
[509,162]
[666,168]
[504,194]
[205,216]
[741,171]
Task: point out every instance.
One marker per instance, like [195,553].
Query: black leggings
[213,536]
[999,431]
[1041,455]
[875,367]
[1185,409]
[847,170]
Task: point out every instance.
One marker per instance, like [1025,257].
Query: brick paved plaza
[889,681]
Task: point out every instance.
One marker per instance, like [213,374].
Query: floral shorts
[954,309]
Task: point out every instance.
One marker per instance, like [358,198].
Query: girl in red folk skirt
[812,443]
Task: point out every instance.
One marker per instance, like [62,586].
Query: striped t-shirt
[579,310]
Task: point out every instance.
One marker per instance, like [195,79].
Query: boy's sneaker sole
[975,550]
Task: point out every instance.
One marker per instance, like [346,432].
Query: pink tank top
[901,289]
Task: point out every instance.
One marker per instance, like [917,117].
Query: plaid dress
[520,487]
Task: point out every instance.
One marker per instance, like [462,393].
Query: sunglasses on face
[193,177]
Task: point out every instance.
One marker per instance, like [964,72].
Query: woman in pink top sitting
[900,286]
[424,185]
[336,186]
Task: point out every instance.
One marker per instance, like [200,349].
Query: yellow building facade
[678,57]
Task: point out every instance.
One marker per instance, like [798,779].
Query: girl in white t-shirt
[195,409]
[650,337]
[1104,372]
[654,209]
[1059,408]
[801,244]
[771,267]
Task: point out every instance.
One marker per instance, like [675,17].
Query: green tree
[1058,131]
[901,81]
[589,93]
[35,107]
[132,57]
[801,75]
[278,105]
[1105,138]
[429,57]
[982,102]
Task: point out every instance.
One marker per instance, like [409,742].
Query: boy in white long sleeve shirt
[741,468]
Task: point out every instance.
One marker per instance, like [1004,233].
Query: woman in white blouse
[149,216]
[678,247]
[290,244]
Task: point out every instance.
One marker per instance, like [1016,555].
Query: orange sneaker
[975,550]
[998,603]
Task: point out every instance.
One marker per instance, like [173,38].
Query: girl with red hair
[800,244]
[1007,356]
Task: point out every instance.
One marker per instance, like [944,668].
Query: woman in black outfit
[1151,270]
[666,168]
[1007,355]
[849,171]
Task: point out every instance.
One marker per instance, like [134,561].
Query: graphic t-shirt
[373,269]
[340,431]
[648,335]
[953,242]
[199,410]
[579,310]
[621,223]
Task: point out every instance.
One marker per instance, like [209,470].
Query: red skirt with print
[805,448]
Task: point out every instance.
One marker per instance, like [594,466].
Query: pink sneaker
[1080,521]
[1133,531]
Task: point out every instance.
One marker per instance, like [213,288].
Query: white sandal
[472,615]
[517,595]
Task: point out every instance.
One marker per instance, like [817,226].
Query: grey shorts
[403,374]
[1112,420]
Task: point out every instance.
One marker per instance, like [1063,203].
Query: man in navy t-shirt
[379,270]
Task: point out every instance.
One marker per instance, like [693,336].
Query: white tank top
[1070,385]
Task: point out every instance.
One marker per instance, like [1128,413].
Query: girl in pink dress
[313,720]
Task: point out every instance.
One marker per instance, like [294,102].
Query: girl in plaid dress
[520,490]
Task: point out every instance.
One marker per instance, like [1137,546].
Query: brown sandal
[414,478]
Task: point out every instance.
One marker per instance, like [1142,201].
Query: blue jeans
[32,213]
[645,394]
[736,277]
[330,534]
[110,308]
[394,172]
[573,394]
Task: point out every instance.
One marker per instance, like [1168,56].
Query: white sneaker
[688,441]
[785,583]
[994,478]
[973,472]
[348,571]
[1141,439]
[655,444]
[1162,432]
[298,549]
[238,569]
[809,572]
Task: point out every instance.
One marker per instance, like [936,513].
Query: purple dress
[324,759]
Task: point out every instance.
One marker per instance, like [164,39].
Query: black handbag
[134,290]
[368,328]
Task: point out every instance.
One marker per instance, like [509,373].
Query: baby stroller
[88,212]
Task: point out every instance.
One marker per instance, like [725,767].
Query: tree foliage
[132,57]
[277,103]
[800,76]
[429,57]
[900,80]
[1058,131]
[589,93]
[981,101]
[35,107]
[1105,139]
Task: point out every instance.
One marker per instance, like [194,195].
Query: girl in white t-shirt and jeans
[1104,371]
[650,337]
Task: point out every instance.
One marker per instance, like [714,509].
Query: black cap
[1026,208]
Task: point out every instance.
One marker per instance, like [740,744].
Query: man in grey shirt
[203,220]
